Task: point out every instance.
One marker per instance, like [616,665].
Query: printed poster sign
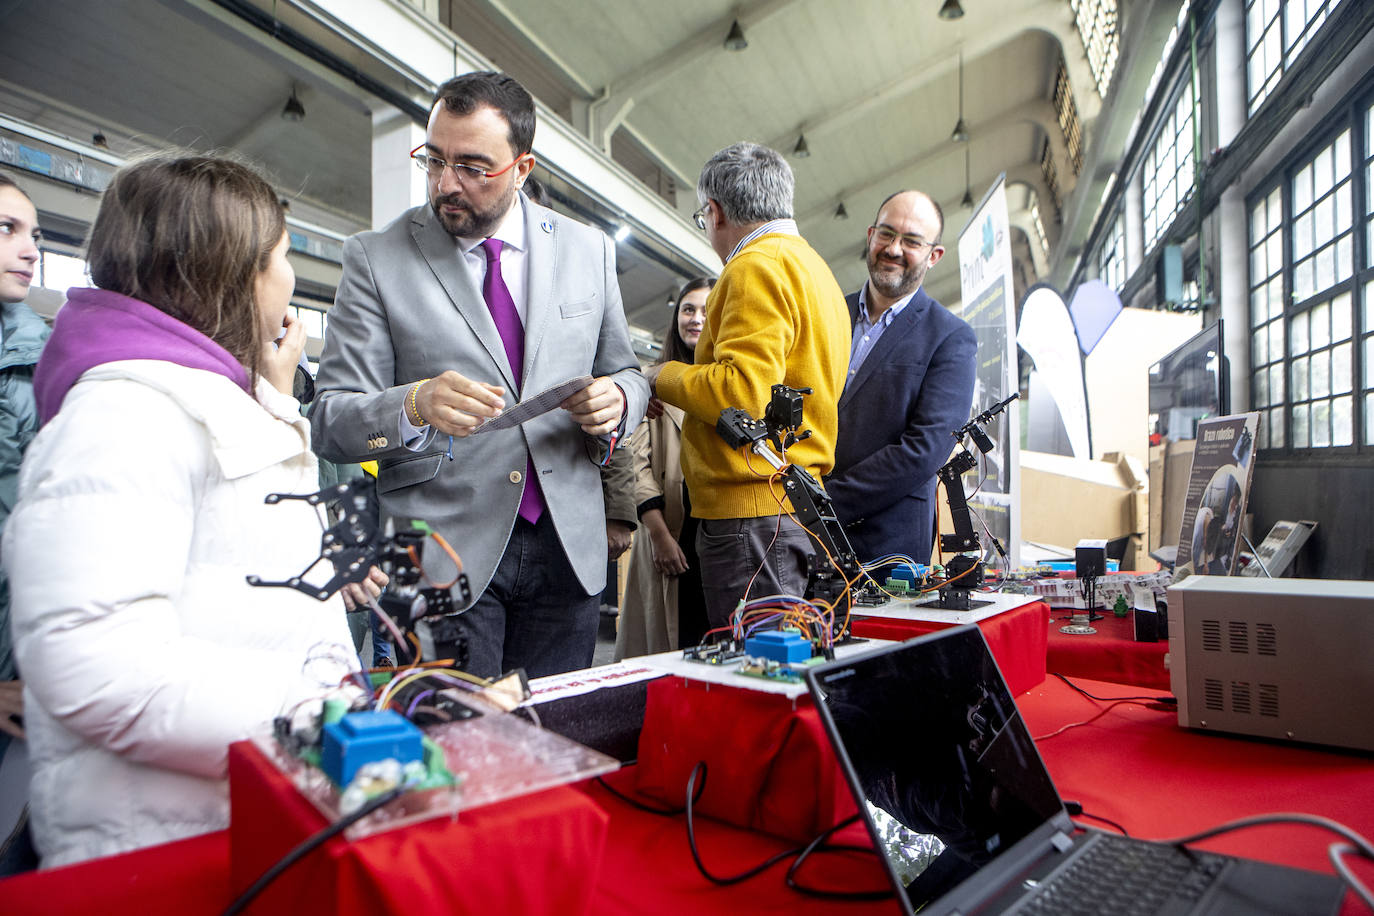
[1218,490]
[985,281]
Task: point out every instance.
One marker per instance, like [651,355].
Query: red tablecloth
[1132,764]
[648,868]
[189,878]
[769,766]
[1110,654]
[537,854]
[1136,766]
[1016,638]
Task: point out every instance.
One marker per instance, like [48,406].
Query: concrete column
[1135,223]
[1228,52]
[1230,221]
[397,185]
[1233,290]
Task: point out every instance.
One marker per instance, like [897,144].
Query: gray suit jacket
[408,309]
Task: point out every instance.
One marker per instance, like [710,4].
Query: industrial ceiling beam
[609,109]
[981,132]
[1051,16]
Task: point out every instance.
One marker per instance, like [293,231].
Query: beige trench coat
[648,620]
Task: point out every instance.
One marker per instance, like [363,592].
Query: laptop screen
[948,774]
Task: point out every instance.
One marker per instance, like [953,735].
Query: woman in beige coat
[664,608]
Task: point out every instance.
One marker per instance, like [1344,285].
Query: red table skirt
[769,766]
[648,867]
[535,854]
[188,877]
[1110,654]
[1131,763]
[1016,638]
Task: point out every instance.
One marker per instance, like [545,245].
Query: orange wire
[776,531]
[947,581]
[849,583]
[452,554]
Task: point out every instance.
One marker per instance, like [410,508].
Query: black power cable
[635,803]
[692,795]
[1076,810]
[1155,699]
[819,844]
[309,845]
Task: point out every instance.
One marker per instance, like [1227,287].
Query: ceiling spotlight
[841,212]
[622,232]
[293,110]
[801,150]
[951,10]
[735,40]
[99,141]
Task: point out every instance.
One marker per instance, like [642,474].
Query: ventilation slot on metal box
[1211,636]
[1239,632]
[1266,639]
[1240,697]
[1213,695]
[1269,700]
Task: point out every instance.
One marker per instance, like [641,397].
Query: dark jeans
[733,552]
[534,614]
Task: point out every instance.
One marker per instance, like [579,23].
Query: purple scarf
[96,326]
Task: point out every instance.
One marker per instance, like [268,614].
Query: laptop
[966,818]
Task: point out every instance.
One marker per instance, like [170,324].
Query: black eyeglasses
[885,236]
[699,217]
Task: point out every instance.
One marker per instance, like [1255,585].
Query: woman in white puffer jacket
[167,419]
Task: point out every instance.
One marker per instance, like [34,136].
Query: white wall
[1117,376]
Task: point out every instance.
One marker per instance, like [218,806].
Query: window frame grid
[1155,224]
[1274,410]
[1098,24]
[1286,47]
[1111,255]
[1356,117]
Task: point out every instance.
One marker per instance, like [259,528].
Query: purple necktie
[502,308]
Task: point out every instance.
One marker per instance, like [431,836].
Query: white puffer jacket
[143,649]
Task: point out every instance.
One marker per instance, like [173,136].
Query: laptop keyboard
[1122,876]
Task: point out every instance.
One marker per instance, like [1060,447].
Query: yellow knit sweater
[776,316]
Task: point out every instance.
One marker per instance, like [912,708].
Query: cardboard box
[1065,500]
[1170,465]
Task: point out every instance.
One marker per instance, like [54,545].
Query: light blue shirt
[783,226]
[867,333]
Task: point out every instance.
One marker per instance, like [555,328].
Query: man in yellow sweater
[776,316]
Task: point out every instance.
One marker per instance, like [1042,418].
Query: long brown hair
[674,347]
[189,235]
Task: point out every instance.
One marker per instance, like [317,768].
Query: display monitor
[1188,385]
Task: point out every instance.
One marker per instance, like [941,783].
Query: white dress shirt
[514,271]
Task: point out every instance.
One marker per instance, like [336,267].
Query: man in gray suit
[450,314]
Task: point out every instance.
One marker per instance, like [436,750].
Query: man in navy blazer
[910,385]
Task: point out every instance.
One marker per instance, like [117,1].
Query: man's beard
[471,222]
[903,284]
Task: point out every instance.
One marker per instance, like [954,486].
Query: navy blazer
[896,416]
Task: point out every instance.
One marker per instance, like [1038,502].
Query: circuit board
[719,653]
[769,670]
